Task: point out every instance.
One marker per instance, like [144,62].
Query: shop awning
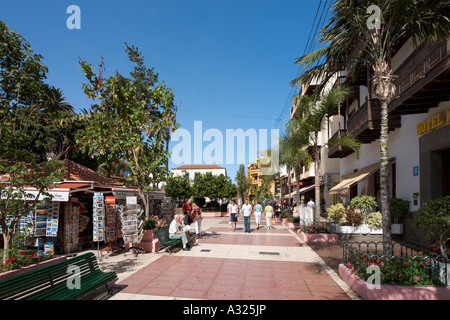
[301,191]
[306,189]
[355,177]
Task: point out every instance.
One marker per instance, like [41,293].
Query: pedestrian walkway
[262,265]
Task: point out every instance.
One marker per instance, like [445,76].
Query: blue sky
[229,62]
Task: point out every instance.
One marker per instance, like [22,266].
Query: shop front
[434,161]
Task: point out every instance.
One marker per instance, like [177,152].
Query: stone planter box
[350,229]
[392,292]
[12,273]
[149,242]
[362,229]
[319,237]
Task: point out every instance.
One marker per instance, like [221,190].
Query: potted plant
[374,222]
[317,233]
[365,204]
[292,222]
[398,208]
[354,220]
[149,241]
[336,214]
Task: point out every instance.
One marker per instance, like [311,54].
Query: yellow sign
[433,123]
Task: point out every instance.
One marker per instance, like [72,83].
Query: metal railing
[409,265]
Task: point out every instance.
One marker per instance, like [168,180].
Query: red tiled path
[233,279]
[226,278]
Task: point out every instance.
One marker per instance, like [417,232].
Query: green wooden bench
[164,240]
[57,281]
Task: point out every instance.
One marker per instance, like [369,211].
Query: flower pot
[149,242]
[397,228]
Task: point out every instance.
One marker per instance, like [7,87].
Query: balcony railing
[336,151]
[415,89]
[365,123]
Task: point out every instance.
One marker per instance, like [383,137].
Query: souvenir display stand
[98,219]
[131,220]
[110,224]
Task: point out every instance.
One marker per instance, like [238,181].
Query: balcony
[365,123]
[423,79]
[336,151]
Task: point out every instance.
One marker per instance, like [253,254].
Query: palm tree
[55,101]
[424,22]
[310,119]
[294,156]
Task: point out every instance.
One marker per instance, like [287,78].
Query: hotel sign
[433,122]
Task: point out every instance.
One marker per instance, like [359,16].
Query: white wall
[403,144]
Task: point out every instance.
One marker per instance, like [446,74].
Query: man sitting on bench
[176,231]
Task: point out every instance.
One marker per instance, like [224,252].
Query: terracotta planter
[392,292]
[149,242]
[319,237]
[293,225]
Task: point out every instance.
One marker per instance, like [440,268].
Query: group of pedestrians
[247,210]
[180,226]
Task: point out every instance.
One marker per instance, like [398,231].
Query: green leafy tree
[129,122]
[213,187]
[22,90]
[434,220]
[178,188]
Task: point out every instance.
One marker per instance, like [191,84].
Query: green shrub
[398,207]
[434,220]
[353,218]
[364,203]
[374,220]
[336,213]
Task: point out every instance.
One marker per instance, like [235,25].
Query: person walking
[257,209]
[234,211]
[197,217]
[268,210]
[246,212]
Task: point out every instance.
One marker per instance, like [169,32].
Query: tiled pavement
[262,265]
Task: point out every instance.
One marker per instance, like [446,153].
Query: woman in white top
[258,210]
[234,211]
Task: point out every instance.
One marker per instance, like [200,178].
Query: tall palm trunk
[385,90]
[317,183]
[384,180]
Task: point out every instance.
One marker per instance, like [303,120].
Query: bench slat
[50,282]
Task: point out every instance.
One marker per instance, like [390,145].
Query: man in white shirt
[246,211]
[176,233]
